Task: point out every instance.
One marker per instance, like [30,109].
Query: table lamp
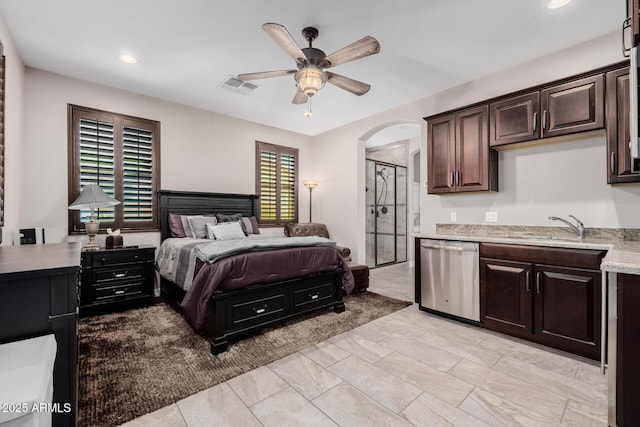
[92,197]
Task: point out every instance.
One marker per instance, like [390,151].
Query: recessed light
[129,59]
[555,4]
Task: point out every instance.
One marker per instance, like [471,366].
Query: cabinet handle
[544,120]
[121,292]
[260,310]
[452,180]
[535,121]
[120,275]
[528,281]
[314,296]
[612,163]
[626,24]
[538,285]
[457,177]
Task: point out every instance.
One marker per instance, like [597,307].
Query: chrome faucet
[578,228]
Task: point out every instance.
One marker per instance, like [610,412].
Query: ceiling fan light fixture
[310,80]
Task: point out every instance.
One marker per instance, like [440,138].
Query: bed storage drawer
[318,294]
[257,309]
[238,312]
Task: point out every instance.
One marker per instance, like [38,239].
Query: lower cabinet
[551,296]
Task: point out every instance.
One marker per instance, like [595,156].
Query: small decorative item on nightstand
[114,239]
[116,279]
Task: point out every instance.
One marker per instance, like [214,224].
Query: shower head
[382,172]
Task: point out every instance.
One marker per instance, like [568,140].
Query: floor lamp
[310,184]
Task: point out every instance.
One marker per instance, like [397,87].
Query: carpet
[135,362]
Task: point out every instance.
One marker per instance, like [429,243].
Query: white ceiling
[187,48]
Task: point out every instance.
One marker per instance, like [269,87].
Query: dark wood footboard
[240,312]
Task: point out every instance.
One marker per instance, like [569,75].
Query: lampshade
[310,80]
[92,197]
[309,183]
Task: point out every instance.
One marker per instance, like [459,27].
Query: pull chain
[308,113]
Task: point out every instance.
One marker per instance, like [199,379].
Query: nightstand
[115,279]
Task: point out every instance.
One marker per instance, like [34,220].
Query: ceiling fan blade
[265,74]
[299,98]
[281,36]
[356,50]
[350,85]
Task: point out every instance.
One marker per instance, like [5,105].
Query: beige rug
[135,362]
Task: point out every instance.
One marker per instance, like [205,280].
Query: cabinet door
[506,296]
[568,308]
[618,136]
[515,119]
[627,351]
[474,159]
[573,107]
[441,154]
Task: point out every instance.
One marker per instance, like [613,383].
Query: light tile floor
[407,368]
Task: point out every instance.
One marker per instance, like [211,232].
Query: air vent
[235,84]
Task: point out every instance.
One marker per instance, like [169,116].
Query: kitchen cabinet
[618,129]
[458,153]
[624,335]
[561,109]
[551,296]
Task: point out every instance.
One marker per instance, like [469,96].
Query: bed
[230,310]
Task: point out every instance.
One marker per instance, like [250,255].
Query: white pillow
[225,231]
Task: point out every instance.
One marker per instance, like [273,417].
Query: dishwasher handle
[450,248]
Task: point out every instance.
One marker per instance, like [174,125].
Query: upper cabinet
[575,106]
[618,129]
[458,153]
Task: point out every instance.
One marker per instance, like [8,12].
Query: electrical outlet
[454,217]
[491,216]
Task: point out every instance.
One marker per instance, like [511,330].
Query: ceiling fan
[311,63]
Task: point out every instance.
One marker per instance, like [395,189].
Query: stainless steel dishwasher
[449,278]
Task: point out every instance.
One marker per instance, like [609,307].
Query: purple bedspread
[240,271]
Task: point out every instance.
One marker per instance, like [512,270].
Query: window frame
[279,150]
[74,114]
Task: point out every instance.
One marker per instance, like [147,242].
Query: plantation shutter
[276,177]
[97,162]
[119,154]
[137,174]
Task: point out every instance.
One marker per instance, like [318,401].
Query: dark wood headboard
[194,203]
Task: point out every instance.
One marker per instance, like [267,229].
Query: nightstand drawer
[126,257]
[109,292]
[121,273]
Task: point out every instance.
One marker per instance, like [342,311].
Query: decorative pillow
[175,225]
[254,224]
[249,226]
[185,224]
[198,225]
[233,218]
[226,231]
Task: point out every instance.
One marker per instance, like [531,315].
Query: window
[121,155]
[276,183]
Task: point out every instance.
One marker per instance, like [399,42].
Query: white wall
[535,182]
[200,150]
[14,126]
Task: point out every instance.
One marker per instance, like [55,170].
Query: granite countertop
[622,245]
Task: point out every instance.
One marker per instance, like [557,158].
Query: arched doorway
[389,191]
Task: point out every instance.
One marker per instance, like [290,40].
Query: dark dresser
[39,296]
[115,279]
